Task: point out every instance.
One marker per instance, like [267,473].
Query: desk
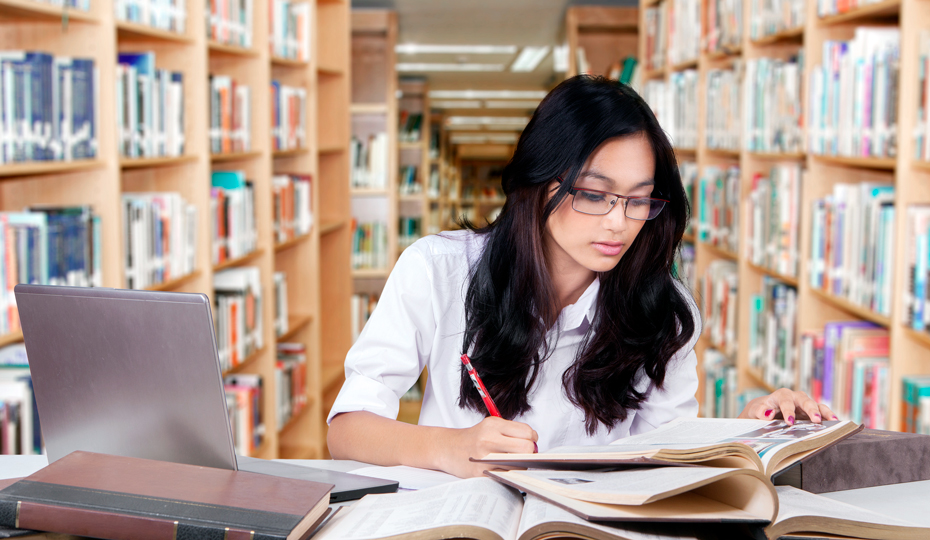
[908,502]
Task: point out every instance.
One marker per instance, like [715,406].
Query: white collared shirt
[419,323]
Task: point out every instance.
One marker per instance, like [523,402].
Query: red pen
[479,386]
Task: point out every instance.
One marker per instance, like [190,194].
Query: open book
[667,494]
[805,515]
[761,445]
[477,508]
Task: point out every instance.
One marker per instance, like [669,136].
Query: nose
[615,219]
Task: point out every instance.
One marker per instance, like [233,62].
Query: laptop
[136,373]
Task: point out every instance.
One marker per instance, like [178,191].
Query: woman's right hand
[488,436]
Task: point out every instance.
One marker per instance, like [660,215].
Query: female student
[566,305]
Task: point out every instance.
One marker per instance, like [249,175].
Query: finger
[786,406]
[511,445]
[826,413]
[811,408]
[517,430]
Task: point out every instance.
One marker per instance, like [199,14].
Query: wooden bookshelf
[607,35]
[910,350]
[317,264]
[12,337]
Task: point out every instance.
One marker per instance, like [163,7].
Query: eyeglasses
[599,203]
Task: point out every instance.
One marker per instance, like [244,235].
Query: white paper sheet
[409,477]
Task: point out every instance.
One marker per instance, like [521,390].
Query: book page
[478,502]
[617,448]
[794,503]
[538,512]
[408,477]
[693,431]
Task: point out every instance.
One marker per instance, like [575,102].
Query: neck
[569,279]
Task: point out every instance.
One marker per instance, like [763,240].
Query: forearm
[367,437]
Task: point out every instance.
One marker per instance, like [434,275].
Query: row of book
[83,5]
[773,121]
[684,36]
[410,125]
[47,246]
[770,17]
[722,398]
[826,8]
[922,129]
[290,381]
[20,432]
[917,292]
[170,15]
[369,245]
[724,26]
[673,104]
[852,244]
[407,181]
[722,123]
[686,266]
[293,211]
[409,230]
[362,305]
[232,216]
[846,367]
[288,117]
[688,171]
[720,305]
[916,404]
[369,161]
[159,236]
[290,30]
[48,107]
[853,95]
[718,207]
[773,333]
[149,107]
[230,115]
[243,403]
[230,22]
[281,322]
[656,31]
[773,219]
[237,314]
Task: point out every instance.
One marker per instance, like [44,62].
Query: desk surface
[903,501]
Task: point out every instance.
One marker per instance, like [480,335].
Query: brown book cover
[870,458]
[104,496]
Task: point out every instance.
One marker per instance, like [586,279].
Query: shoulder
[458,248]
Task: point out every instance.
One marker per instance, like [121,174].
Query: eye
[639,203]
[592,196]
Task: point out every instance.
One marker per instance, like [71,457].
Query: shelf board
[922,165]
[795,156]
[334,149]
[249,360]
[685,150]
[172,284]
[690,64]
[294,152]
[31,9]
[723,152]
[295,323]
[792,35]
[143,163]
[292,242]
[790,280]
[135,31]
[34,168]
[295,418]
[289,62]
[232,50]
[471,202]
[249,257]
[411,145]
[358,192]
[415,197]
[688,238]
[368,108]
[260,450]
[866,13]
[13,337]
[235,156]
[887,164]
[718,251]
[654,74]
[920,337]
[332,226]
[331,375]
[330,70]
[728,54]
[363,273]
[757,377]
[853,309]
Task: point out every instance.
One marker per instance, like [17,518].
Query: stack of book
[230,116]
[369,245]
[725,27]
[281,323]
[290,380]
[770,17]
[149,108]
[361,307]
[720,386]
[160,238]
[407,181]
[773,219]
[846,367]
[244,404]
[826,8]
[288,117]
[718,207]
[719,293]
[230,22]
[673,104]
[21,433]
[237,314]
[922,129]
[409,230]
[852,244]
[917,293]
[853,109]
[773,119]
[656,30]
[48,107]
[773,314]
[684,35]
[170,15]
[410,125]
[916,400]
[722,125]
[293,212]
[369,161]
[289,35]
[232,216]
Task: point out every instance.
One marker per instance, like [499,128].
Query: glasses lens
[591,202]
[643,208]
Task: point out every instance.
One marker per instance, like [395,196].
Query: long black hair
[642,318]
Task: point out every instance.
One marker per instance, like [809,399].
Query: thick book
[104,496]
[761,445]
[870,458]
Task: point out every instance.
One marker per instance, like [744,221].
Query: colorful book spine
[289,36]
[723,126]
[826,8]
[232,216]
[361,306]
[230,116]
[688,170]
[656,30]
[673,104]
[369,245]
[773,120]
[724,26]
[718,210]
[159,238]
[150,108]
[289,117]
[771,17]
[773,219]
[237,314]
[685,266]
[290,381]
[409,230]
[293,212]
[369,161]
[773,333]
[170,15]
[721,301]
[685,30]
[243,403]
[230,22]
[281,322]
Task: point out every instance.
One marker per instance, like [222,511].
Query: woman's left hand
[788,404]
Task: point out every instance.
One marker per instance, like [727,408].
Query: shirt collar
[574,315]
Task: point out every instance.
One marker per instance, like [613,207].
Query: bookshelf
[316,263]
[909,349]
[602,35]
[414,125]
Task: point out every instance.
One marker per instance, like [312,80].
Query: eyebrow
[649,182]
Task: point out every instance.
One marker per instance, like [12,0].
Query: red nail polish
[535,449]
[790,420]
[768,412]
[835,417]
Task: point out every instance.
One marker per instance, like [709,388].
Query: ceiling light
[414,67]
[416,48]
[488,120]
[516,104]
[459,104]
[464,127]
[487,94]
[529,58]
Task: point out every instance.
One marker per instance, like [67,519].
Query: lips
[610,249]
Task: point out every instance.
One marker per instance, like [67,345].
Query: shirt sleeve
[677,396]
[395,343]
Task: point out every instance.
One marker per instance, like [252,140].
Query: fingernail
[836,417]
[535,449]
[817,416]
[790,420]
[768,412]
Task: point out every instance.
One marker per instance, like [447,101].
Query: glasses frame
[613,203]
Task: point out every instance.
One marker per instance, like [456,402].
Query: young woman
[566,304]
